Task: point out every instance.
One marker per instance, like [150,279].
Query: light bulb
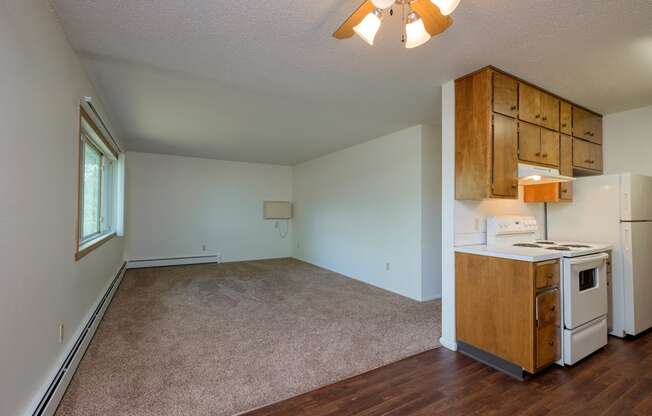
[369,26]
[415,32]
[382,4]
[446,6]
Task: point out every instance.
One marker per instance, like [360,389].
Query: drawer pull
[545,118]
[545,155]
[552,308]
[512,108]
[551,343]
[563,125]
[537,116]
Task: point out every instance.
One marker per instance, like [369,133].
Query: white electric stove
[583,287]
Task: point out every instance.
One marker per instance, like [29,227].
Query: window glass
[92,191]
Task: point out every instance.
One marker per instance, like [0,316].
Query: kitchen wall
[41,284]
[627,140]
[359,212]
[176,205]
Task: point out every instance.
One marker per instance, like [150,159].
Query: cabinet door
[505,162]
[529,142]
[587,126]
[529,104]
[587,155]
[566,166]
[505,95]
[596,157]
[596,131]
[565,118]
[549,147]
[549,111]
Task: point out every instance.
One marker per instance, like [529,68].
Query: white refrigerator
[614,209]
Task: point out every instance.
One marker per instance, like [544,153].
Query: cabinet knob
[545,118]
[565,191]
[588,133]
[537,154]
[552,308]
[537,116]
[545,155]
[551,343]
[512,108]
[563,125]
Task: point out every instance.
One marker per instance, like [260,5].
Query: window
[96,188]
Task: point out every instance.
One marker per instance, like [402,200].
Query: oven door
[585,289]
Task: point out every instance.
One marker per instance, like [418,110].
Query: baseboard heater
[53,394]
[172,261]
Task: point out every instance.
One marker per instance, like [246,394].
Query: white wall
[41,285]
[360,208]
[628,141]
[430,212]
[176,204]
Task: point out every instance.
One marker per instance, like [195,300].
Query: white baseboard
[431,298]
[172,261]
[46,402]
[451,345]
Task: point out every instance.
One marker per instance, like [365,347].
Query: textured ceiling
[263,81]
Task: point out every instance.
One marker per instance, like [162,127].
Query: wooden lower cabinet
[504,308]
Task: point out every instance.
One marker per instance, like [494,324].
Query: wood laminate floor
[614,381]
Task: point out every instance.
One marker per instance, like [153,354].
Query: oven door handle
[586,259]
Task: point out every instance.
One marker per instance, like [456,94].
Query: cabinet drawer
[548,345]
[547,274]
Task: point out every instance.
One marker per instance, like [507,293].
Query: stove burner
[558,248]
[576,245]
[527,245]
[549,243]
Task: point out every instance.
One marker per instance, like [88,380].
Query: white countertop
[511,252]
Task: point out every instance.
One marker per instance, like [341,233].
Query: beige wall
[41,285]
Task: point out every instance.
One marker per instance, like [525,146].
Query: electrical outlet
[61,333]
[203,247]
[387,266]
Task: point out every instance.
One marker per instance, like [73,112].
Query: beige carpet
[221,339]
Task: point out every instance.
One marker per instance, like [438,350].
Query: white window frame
[90,135]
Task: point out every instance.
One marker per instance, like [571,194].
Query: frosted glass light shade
[382,4]
[446,6]
[368,28]
[416,34]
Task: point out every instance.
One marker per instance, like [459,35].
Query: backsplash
[471,217]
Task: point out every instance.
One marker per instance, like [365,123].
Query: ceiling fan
[422,19]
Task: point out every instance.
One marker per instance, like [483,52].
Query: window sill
[89,246]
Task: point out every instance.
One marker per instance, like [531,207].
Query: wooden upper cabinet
[529,99]
[549,111]
[565,118]
[505,99]
[505,162]
[587,126]
[529,142]
[566,166]
[549,147]
[587,155]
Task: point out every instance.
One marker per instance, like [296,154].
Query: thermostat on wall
[277,210]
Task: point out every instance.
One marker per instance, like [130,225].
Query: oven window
[588,279]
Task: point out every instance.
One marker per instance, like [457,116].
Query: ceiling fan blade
[346,30]
[433,20]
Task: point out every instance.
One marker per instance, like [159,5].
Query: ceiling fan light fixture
[382,4]
[446,6]
[369,26]
[415,31]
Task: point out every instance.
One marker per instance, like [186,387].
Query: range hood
[538,175]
